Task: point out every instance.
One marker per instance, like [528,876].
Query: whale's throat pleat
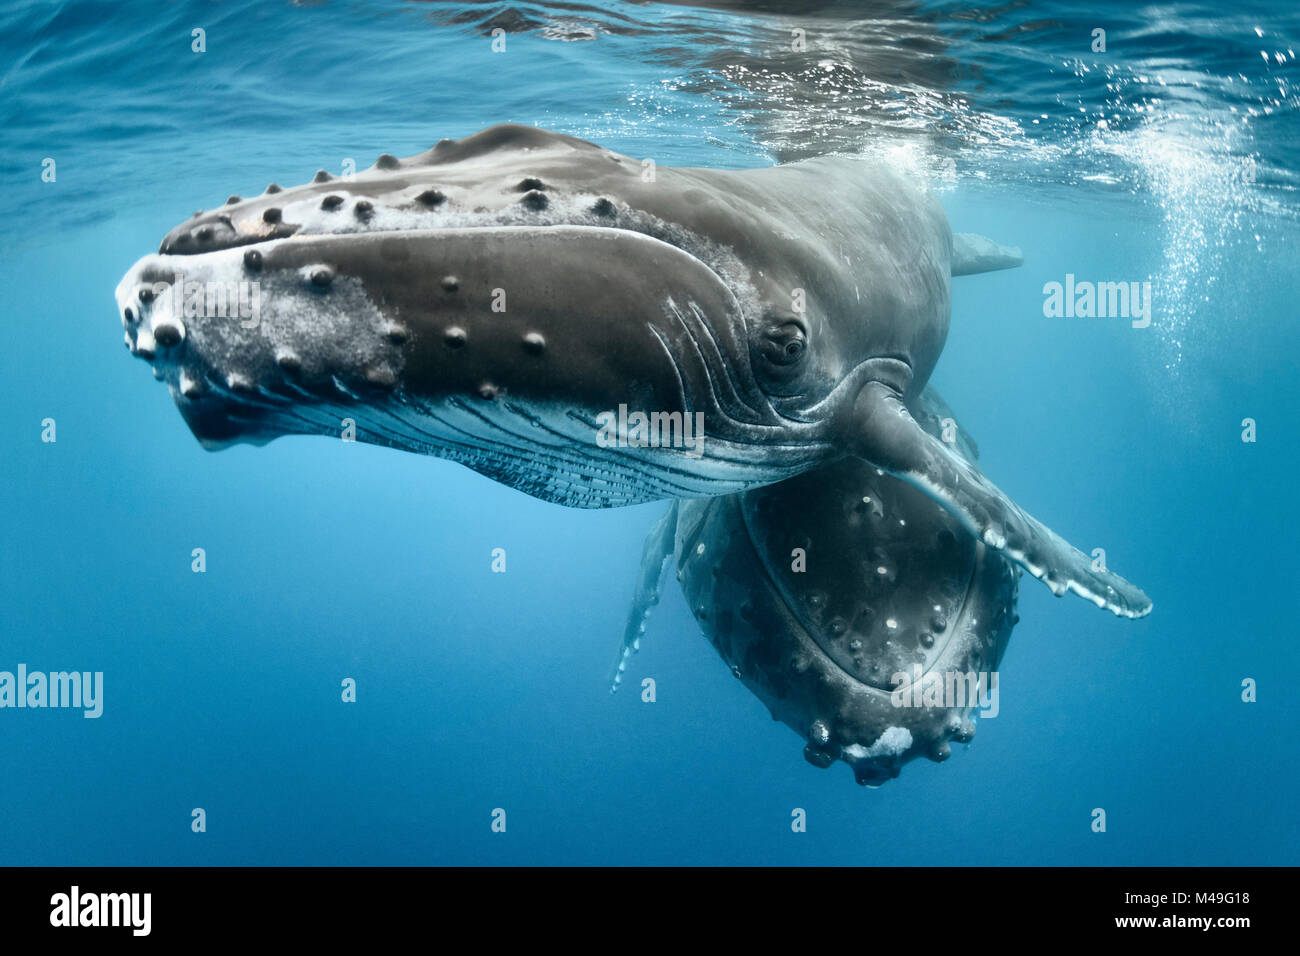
[548,453]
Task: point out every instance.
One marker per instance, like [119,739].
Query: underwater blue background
[476,690]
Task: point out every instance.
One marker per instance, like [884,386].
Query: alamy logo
[84,689]
[653,430]
[103,909]
[210,300]
[951,689]
[1101,300]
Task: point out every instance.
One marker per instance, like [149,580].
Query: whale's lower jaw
[547,453]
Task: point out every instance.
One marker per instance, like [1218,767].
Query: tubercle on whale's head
[396,193]
[239,345]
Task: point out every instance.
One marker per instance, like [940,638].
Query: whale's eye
[784,344]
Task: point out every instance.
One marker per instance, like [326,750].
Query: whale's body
[863,617]
[586,327]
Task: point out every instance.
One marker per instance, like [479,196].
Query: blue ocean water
[1170,157]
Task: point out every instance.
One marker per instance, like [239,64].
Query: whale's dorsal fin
[973,254]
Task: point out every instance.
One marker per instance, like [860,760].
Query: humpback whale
[866,619]
[496,299]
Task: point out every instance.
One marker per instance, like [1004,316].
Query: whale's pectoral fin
[659,545]
[885,434]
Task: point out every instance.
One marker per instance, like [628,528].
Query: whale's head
[514,300]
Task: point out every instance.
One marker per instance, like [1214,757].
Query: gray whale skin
[499,300]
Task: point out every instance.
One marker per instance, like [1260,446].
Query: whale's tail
[972,254]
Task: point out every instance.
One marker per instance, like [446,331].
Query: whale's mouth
[497,346]
[514,277]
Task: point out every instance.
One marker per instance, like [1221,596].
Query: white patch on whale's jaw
[221,335]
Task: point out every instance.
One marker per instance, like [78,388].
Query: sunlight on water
[1201,202]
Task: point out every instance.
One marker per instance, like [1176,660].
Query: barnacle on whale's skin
[820,591]
[490,299]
